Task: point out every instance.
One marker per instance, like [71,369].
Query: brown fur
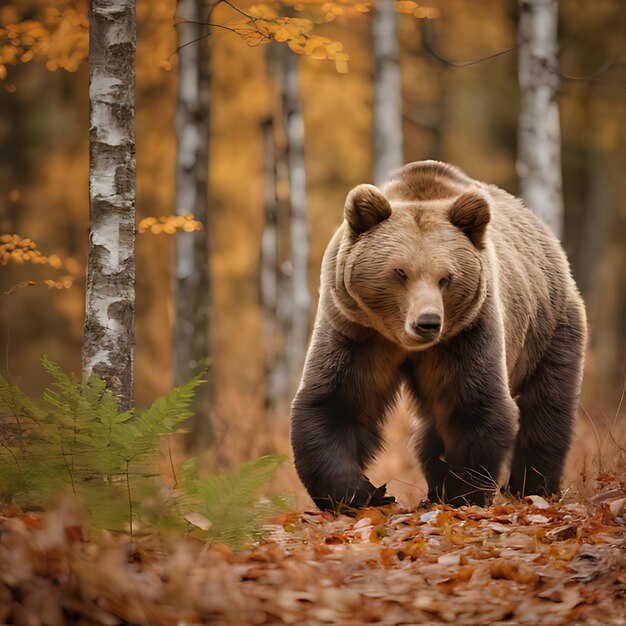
[456,289]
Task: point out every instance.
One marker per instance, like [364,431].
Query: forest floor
[531,562]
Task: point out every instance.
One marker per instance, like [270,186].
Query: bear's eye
[401,274]
[445,281]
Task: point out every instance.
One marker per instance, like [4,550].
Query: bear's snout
[426,327]
[427,324]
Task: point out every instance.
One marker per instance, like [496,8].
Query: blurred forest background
[453,110]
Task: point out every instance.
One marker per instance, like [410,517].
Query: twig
[597,437]
[169,451]
[429,48]
[130,503]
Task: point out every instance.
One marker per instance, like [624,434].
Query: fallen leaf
[198,520]
[512,570]
[618,507]
[538,502]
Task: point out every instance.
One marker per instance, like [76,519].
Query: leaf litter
[529,562]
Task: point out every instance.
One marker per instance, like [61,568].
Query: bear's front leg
[330,448]
[337,417]
[469,416]
[476,439]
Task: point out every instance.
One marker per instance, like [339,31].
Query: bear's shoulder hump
[427,180]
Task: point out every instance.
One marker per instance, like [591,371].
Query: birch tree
[269,268]
[539,135]
[285,170]
[110,295]
[193,301]
[298,229]
[387,112]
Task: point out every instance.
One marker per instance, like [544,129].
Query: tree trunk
[193,301]
[299,234]
[110,299]
[279,380]
[293,302]
[539,138]
[269,265]
[387,91]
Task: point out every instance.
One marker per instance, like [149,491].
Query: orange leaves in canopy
[409,7]
[59,35]
[267,22]
[20,251]
[169,224]
[15,249]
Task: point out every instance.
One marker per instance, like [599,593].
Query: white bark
[285,247]
[269,263]
[539,138]
[279,377]
[299,235]
[110,294]
[193,301]
[387,112]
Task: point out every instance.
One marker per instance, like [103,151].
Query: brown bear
[454,288]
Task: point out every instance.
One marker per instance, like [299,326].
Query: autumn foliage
[525,562]
[531,562]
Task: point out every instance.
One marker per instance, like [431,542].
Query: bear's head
[414,270]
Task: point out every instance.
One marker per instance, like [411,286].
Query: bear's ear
[365,207]
[471,214]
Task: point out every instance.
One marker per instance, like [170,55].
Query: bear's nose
[427,324]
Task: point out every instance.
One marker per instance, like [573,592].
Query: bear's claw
[364,495]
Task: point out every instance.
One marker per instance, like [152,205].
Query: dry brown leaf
[513,570]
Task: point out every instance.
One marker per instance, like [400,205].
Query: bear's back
[427,180]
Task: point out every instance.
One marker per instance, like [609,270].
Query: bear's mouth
[417,343]
[424,331]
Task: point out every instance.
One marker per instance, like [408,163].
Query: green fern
[229,500]
[78,440]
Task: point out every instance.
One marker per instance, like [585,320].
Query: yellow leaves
[65,283]
[60,37]
[267,24]
[297,32]
[169,224]
[15,249]
[428,13]
[55,262]
[406,6]
[263,11]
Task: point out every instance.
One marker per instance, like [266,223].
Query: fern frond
[17,402]
[80,441]
[230,501]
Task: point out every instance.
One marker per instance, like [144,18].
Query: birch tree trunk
[193,301]
[298,228]
[110,296]
[269,264]
[287,173]
[387,91]
[279,379]
[539,135]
